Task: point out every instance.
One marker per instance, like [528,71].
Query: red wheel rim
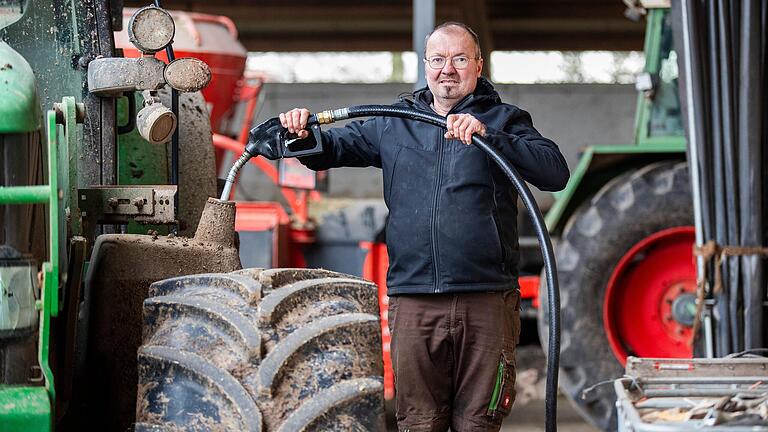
[652,283]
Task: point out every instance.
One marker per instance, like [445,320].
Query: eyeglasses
[438,62]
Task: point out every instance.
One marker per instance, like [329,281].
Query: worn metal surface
[110,77]
[150,29]
[724,394]
[64,339]
[156,123]
[122,268]
[121,204]
[144,163]
[58,40]
[197,168]
[668,369]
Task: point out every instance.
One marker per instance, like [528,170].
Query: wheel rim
[649,298]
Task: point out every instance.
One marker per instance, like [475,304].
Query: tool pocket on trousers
[503,394]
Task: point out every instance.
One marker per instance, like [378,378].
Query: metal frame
[652,50]
[49,299]
[563,205]
[676,381]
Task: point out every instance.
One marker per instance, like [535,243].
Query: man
[451,235]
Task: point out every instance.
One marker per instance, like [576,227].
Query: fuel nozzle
[272,141]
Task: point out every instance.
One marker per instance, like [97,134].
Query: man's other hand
[462,126]
[295,121]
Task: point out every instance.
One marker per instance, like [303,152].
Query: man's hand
[295,121]
[462,126]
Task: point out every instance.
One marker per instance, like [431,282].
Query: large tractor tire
[627,283]
[261,350]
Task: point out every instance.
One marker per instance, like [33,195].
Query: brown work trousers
[454,359]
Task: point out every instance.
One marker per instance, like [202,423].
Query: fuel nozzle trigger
[272,141]
[295,147]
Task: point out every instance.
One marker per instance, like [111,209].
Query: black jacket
[452,213]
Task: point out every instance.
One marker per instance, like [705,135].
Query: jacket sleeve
[537,159]
[353,145]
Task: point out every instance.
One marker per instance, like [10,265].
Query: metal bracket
[111,76]
[121,204]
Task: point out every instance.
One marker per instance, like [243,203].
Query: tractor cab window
[666,118]
[11,11]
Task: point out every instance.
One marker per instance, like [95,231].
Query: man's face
[450,83]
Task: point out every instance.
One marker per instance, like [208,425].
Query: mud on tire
[624,211]
[261,350]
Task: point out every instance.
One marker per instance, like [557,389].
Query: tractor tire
[601,231]
[261,350]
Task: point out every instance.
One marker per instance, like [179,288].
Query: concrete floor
[528,412]
[530,418]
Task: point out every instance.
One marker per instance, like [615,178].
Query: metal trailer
[675,395]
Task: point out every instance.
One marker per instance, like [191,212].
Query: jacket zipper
[435,222]
[496,225]
[436,259]
[495,216]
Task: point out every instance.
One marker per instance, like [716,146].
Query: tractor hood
[19,108]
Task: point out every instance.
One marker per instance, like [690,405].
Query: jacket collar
[484,94]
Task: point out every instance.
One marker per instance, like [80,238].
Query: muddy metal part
[58,39]
[151,29]
[144,163]
[113,76]
[187,74]
[197,168]
[122,268]
[120,204]
[261,350]
[156,122]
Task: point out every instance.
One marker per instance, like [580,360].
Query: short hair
[460,25]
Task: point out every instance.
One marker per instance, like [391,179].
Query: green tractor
[123,304]
[623,231]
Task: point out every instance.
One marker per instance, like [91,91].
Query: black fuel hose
[553,291]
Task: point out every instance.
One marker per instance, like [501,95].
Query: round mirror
[151,29]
